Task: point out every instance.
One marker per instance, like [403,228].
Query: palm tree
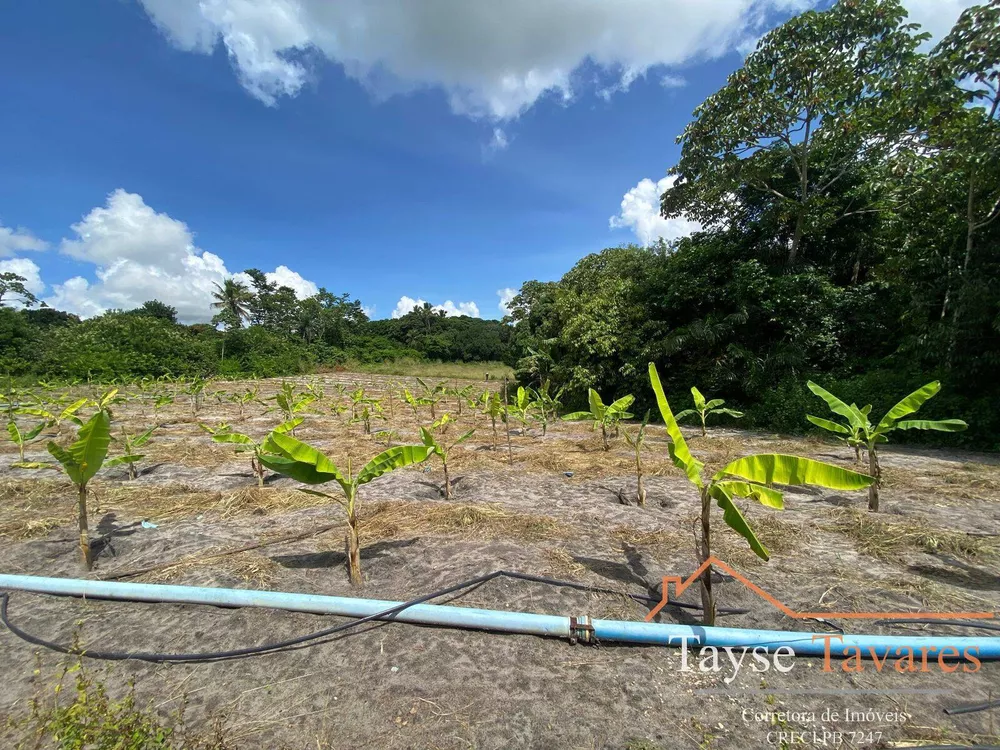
[232,300]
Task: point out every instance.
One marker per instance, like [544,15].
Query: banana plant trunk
[640,493]
[447,480]
[85,555]
[876,471]
[704,432]
[353,547]
[707,599]
[604,436]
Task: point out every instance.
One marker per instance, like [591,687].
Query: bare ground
[556,511]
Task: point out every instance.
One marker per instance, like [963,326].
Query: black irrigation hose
[972,708]
[287,644]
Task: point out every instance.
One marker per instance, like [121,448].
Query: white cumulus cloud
[506,295]
[18,240]
[640,212]
[407,304]
[937,16]
[491,59]
[139,255]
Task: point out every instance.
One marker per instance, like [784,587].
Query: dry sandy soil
[557,511]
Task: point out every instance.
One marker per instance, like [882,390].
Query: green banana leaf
[142,439]
[943,425]
[734,519]
[777,468]
[715,403]
[764,495]
[300,461]
[394,458]
[233,437]
[836,405]
[618,407]
[699,400]
[730,412]
[828,425]
[678,449]
[597,407]
[909,405]
[83,459]
[288,426]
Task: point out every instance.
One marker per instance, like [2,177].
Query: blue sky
[400,151]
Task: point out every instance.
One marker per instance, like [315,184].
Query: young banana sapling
[81,461]
[705,409]
[604,416]
[21,439]
[636,439]
[224,435]
[286,455]
[441,448]
[860,428]
[130,445]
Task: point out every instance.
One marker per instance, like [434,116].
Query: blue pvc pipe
[623,631]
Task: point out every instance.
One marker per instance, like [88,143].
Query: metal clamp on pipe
[581,630]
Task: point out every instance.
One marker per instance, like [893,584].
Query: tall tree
[13,289]
[155,309]
[232,300]
[815,85]
[959,147]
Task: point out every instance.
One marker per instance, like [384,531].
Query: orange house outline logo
[681,585]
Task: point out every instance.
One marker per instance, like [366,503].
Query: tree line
[259,329]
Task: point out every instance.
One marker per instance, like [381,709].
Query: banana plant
[130,445]
[225,435]
[81,461]
[440,449]
[290,403]
[606,417]
[20,439]
[371,410]
[751,477]
[849,434]
[858,424]
[547,405]
[245,398]
[195,391]
[462,396]
[636,439]
[492,406]
[55,419]
[161,401]
[290,457]
[413,401]
[385,436]
[522,407]
[432,394]
[705,409]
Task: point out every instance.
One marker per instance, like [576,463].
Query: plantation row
[82,455]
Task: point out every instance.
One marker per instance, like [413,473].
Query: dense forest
[847,183]
[848,186]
